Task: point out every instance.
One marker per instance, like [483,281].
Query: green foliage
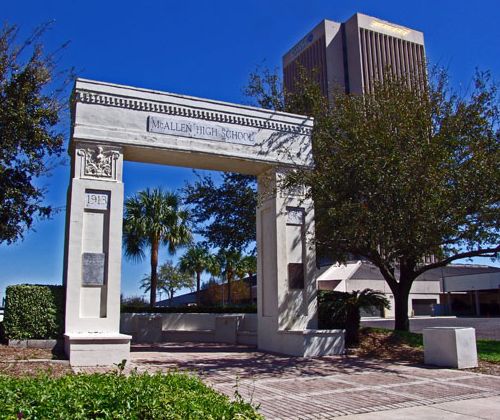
[170,279]
[404,173]
[224,213]
[342,310]
[266,89]
[232,263]
[2,332]
[34,312]
[248,309]
[247,266]
[153,218]
[135,301]
[195,261]
[29,114]
[115,396]
[327,306]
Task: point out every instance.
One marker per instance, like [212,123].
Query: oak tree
[224,213]
[406,177]
[30,110]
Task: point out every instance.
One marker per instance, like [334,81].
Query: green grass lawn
[116,396]
[487,350]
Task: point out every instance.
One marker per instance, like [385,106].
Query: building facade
[351,56]
[457,289]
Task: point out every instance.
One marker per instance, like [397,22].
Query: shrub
[34,311]
[248,309]
[116,396]
[343,309]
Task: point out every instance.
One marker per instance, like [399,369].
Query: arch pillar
[92,266]
[286,273]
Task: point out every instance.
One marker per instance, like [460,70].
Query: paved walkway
[481,408]
[297,388]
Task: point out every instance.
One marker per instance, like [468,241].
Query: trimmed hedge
[116,396]
[248,309]
[34,312]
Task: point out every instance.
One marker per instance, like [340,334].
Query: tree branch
[479,252]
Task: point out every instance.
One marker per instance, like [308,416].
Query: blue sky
[208,49]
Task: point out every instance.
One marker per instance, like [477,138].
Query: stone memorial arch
[113,123]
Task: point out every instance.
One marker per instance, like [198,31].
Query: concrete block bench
[194,335]
[195,327]
[453,347]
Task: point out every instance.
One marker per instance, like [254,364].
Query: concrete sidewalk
[481,408]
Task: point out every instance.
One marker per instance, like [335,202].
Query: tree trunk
[250,277]
[154,273]
[198,286]
[229,279]
[401,291]
[171,293]
[401,322]
[353,320]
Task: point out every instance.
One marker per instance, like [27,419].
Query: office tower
[352,55]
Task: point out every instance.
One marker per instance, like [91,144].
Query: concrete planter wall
[178,327]
[56,345]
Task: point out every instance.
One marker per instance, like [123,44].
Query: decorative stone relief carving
[97,162]
[295,215]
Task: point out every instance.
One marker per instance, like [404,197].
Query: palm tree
[153,218]
[195,261]
[230,263]
[247,266]
[343,308]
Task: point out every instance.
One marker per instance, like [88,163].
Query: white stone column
[92,264]
[286,273]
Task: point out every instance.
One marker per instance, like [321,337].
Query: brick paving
[297,388]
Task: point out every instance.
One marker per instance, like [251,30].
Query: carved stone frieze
[90,97]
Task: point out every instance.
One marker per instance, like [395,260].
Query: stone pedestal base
[453,347]
[97,349]
[306,343]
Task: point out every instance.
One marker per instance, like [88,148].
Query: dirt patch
[31,362]
[42,367]
[487,368]
[390,347]
[13,353]
[386,346]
